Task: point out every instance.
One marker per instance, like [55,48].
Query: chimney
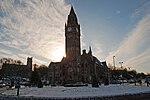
[29,62]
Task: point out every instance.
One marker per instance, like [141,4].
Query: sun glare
[58,54]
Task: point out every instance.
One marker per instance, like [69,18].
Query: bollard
[18,91]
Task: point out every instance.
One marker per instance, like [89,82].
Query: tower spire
[72,11]
[72,18]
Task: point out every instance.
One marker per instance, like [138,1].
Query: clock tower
[75,67]
[72,37]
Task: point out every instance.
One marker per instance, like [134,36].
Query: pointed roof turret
[90,51]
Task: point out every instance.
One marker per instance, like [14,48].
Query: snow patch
[60,91]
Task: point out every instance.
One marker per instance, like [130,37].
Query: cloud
[2,51]
[118,12]
[141,58]
[33,26]
[97,49]
[142,10]
[134,49]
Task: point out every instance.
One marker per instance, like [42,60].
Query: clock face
[69,29]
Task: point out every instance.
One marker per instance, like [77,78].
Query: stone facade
[75,67]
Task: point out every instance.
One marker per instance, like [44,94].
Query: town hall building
[76,67]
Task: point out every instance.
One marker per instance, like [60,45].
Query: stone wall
[140,96]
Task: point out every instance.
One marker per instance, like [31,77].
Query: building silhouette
[75,67]
[16,70]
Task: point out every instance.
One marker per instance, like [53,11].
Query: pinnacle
[90,51]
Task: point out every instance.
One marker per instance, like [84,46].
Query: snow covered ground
[60,91]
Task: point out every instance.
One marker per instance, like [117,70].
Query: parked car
[2,84]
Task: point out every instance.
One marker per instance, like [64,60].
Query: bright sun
[58,54]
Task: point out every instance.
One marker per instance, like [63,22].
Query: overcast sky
[35,28]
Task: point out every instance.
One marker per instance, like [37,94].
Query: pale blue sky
[118,28]
[107,21]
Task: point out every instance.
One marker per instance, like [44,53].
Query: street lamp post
[121,64]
